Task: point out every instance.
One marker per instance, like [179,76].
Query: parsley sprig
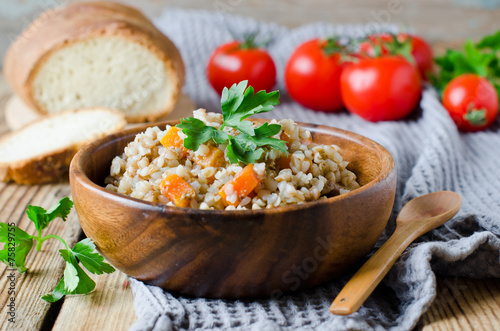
[482,58]
[238,103]
[19,243]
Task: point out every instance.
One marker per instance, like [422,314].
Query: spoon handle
[362,284]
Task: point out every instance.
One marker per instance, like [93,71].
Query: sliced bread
[18,114]
[96,54]
[41,152]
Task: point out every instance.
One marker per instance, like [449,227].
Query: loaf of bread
[96,54]
[41,152]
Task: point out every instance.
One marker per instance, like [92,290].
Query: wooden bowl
[235,254]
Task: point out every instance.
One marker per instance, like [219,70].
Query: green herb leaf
[492,41]
[38,216]
[240,102]
[198,133]
[42,218]
[243,149]
[62,209]
[92,261]
[17,246]
[263,134]
[18,243]
[246,127]
[70,277]
[84,284]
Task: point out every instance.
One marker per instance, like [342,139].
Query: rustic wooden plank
[464,304]
[45,267]
[108,308]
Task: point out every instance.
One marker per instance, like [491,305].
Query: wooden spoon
[417,217]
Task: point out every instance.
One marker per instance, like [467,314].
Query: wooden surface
[460,304]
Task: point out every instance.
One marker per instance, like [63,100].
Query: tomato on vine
[237,61]
[312,75]
[420,50]
[382,88]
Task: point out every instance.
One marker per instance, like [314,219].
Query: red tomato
[420,50]
[230,63]
[381,89]
[312,77]
[471,101]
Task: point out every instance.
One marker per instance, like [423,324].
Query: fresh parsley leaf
[263,134]
[84,284]
[267,130]
[92,261]
[478,61]
[42,218]
[243,149]
[198,133]
[62,209]
[38,216]
[240,102]
[20,244]
[246,127]
[70,277]
[492,41]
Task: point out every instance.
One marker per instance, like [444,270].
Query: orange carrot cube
[240,186]
[172,139]
[213,158]
[177,190]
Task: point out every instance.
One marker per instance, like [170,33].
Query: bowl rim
[77,174]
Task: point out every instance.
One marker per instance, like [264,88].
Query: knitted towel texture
[430,154]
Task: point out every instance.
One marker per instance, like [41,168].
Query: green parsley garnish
[238,103]
[18,244]
[482,58]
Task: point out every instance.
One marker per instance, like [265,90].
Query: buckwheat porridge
[157,167]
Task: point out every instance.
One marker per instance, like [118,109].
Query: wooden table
[460,304]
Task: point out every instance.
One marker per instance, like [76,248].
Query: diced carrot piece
[240,186]
[285,137]
[283,162]
[213,158]
[172,139]
[177,190]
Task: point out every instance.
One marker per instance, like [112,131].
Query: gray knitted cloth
[430,155]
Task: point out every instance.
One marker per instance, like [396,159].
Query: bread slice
[42,151]
[18,114]
[96,54]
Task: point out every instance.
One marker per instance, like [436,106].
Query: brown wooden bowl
[235,254]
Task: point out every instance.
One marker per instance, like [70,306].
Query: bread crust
[52,166]
[77,22]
